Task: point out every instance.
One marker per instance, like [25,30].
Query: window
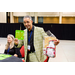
[33,19]
[20,19]
[40,19]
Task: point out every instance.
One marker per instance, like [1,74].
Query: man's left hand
[56,42]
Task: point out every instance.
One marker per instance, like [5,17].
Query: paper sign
[19,34]
[4,56]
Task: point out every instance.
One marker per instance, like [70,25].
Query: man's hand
[56,42]
[16,41]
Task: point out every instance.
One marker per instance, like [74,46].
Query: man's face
[27,23]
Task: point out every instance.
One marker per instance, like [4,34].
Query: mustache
[27,26]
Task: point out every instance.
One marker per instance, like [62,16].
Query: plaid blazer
[39,34]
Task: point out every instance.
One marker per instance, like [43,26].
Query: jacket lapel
[35,46]
[34,36]
[25,43]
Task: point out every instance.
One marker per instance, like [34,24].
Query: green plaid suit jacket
[39,34]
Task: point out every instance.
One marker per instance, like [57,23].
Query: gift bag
[49,49]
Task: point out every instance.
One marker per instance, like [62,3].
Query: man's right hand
[16,41]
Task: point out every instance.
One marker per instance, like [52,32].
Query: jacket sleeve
[17,51]
[43,33]
[5,51]
[20,44]
[48,33]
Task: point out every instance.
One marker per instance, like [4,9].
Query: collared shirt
[31,40]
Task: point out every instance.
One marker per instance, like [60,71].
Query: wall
[23,13]
[69,14]
[59,17]
[68,20]
[61,31]
[34,13]
[15,19]
[51,20]
[64,17]
[48,14]
[2,17]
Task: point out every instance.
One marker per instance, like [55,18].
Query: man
[33,41]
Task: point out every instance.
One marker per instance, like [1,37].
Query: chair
[22,53]
[46,60]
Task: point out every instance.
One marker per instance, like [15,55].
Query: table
[9,58]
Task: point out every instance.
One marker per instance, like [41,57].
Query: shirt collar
[32,28]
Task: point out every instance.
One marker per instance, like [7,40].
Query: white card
[29,47]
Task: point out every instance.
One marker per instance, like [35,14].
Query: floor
[65,51]
[3,42]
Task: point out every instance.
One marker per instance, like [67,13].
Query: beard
[28,27]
